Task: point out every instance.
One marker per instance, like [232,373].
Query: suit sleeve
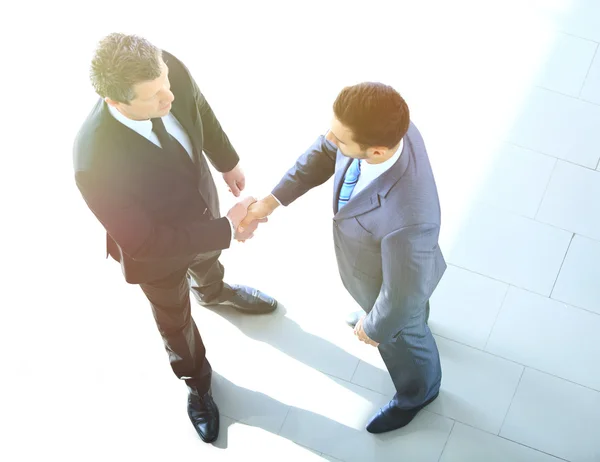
[216,143]
[133,230]
[409,258]
[313,168]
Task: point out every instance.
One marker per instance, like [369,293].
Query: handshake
[248,213]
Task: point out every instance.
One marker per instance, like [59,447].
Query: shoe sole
[259,311]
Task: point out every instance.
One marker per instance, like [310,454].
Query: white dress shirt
[370,172]
[144,128]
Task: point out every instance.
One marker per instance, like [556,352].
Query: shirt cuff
[232,228]
[278,201]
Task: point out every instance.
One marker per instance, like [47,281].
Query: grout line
[495,279]
[556,92]
[354,373]
[560,159]
[575,164]
[588,72]
[511,441]
[576,36]
[284,419]
[561,265]
[533,449]
[496,318]
[568,305]
[514,143]
[537,211]
[511,401]
[360,386]
[447,439]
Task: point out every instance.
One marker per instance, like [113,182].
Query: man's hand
[248,232]
[236,180]
[362,336]
[258,211]
[238,211]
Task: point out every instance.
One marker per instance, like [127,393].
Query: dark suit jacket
[386,237]
[158,212]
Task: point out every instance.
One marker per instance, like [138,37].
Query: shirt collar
[143,127]
[382,167]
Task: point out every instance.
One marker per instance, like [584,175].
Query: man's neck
[384,158]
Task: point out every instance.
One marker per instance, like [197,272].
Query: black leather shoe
[249,300]
[204,414]
[353,318]
[391,418]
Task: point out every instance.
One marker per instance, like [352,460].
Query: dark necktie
[169,143]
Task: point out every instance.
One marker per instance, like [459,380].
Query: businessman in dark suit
[139,165]
[386,226]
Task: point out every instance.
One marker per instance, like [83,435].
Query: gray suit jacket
[386,237]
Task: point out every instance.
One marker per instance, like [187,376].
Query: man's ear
[111,102]
[377,151]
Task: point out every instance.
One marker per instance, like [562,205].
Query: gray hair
[121,61]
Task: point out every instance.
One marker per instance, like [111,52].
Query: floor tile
[555,416]
[567,203]
[578,282]
[567,64]
[510,248]
[516,180]
[467,444]
[560,126]
[549,336]
[464,306]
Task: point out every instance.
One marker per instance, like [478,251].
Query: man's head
[130,74]
[370,119]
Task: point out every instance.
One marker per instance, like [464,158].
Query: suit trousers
[170,302]
[413,362]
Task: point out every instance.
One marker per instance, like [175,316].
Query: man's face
[152,98]
[341,136]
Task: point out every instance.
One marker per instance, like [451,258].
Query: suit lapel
[341,166]
[370,198]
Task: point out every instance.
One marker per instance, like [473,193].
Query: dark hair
[121,61]
[376,114]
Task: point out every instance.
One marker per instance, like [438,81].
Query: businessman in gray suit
[386,225]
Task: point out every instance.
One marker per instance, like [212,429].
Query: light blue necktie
[350,181]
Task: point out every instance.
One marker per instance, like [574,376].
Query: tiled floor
[507,96]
